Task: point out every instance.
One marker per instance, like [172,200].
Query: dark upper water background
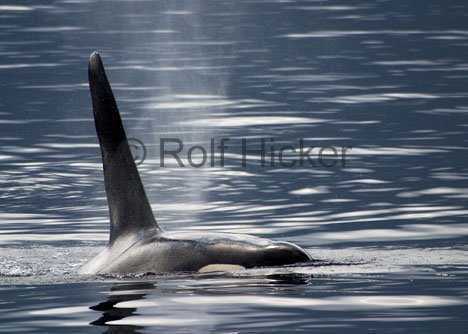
[387,78]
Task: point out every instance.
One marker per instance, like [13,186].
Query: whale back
[129,208]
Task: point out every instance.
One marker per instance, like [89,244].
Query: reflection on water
[112,312]
[261,303]
[387,79]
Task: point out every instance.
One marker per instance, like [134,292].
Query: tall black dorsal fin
[130,211]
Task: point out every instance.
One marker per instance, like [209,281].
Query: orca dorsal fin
[129,209]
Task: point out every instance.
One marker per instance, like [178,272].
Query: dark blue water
[388,80]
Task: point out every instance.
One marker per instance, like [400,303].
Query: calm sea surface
[384,84]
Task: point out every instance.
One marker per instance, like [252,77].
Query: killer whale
[137,244]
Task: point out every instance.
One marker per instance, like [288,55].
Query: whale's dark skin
[137,244]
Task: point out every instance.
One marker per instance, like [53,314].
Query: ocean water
[375,93]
